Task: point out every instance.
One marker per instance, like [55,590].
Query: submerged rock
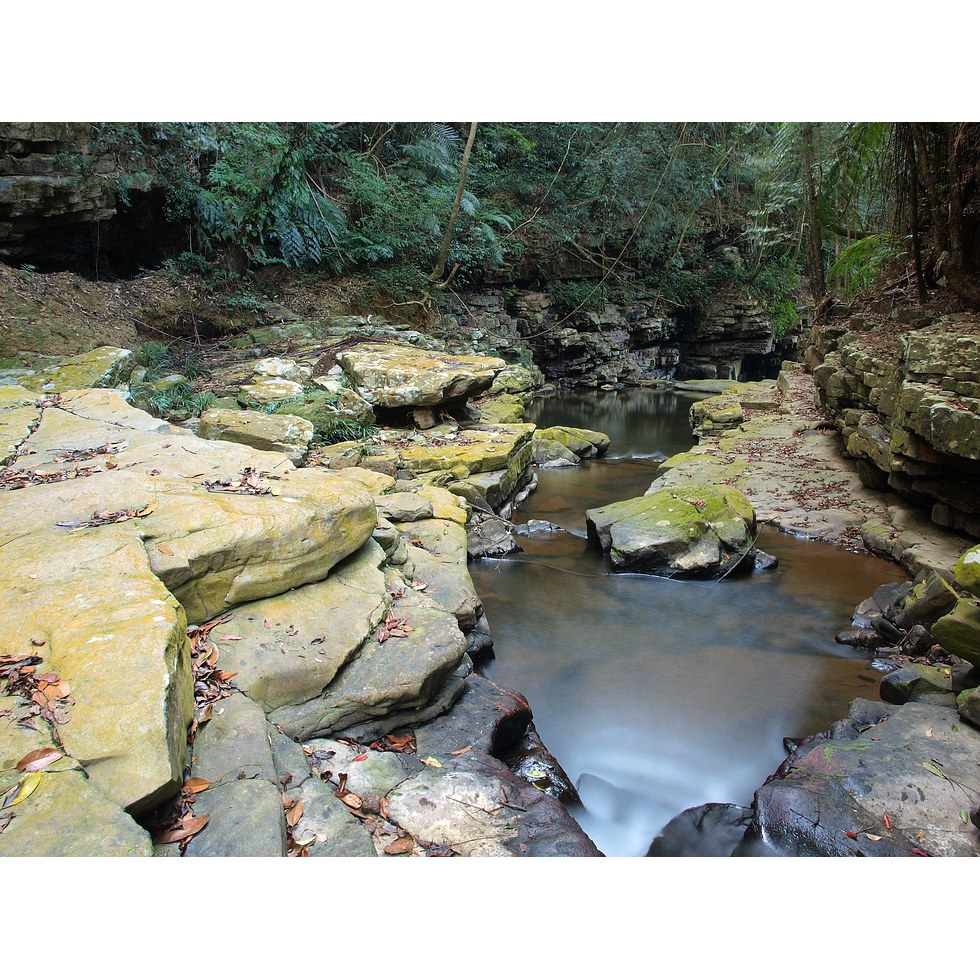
[695,530]
[710,830]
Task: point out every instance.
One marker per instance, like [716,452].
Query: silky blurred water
[656,694]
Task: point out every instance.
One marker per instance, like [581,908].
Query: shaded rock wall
[907,401]
[59,207]
[625,342]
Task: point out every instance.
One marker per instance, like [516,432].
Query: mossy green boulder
[698,530]
[959,631]
[967,570]
[104,367]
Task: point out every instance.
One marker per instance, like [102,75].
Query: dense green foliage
[593,209]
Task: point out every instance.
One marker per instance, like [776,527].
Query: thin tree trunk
[916,245]
[959,279]
[818,285]
[435,277]
[939,224]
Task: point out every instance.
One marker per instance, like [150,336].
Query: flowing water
[656,695]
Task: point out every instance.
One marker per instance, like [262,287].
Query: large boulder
[400,376]
[287,434]
[967,570]
[698,530]
[104,367]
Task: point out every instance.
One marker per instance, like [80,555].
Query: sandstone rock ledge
[118,529]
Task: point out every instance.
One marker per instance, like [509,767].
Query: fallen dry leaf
[462,751]
[165,549]
[189,826]
[404,845]
[39,759]
[196,784]
[294,814]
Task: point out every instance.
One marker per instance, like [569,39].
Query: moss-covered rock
[717,413]
[104,367]
[967,570]
[695,530]
[502,408]
[959,631]
[585,443]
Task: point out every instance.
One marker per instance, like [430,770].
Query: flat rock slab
[110,629]
[915,764]
[66,815]
[786,459]
[288,648]
[245,819]
[280,433]
[402,673]
[398,375]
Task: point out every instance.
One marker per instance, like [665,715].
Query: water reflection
[659,694]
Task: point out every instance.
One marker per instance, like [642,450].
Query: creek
[660,694]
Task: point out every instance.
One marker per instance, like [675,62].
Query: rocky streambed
[246,635]
[898,778]
[210,651]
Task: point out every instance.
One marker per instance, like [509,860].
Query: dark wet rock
[831,796]
[487,716]
[710,830]
[489,537]
[918,641]
[531,760]
[479,641]
[462,795]
[887,630]
[862,638]
[762,561]
[537,527]
[919,682]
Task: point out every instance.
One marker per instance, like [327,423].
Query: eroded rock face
[697,530]
[399,376]
[908,403]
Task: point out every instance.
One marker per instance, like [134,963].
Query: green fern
[858,265]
